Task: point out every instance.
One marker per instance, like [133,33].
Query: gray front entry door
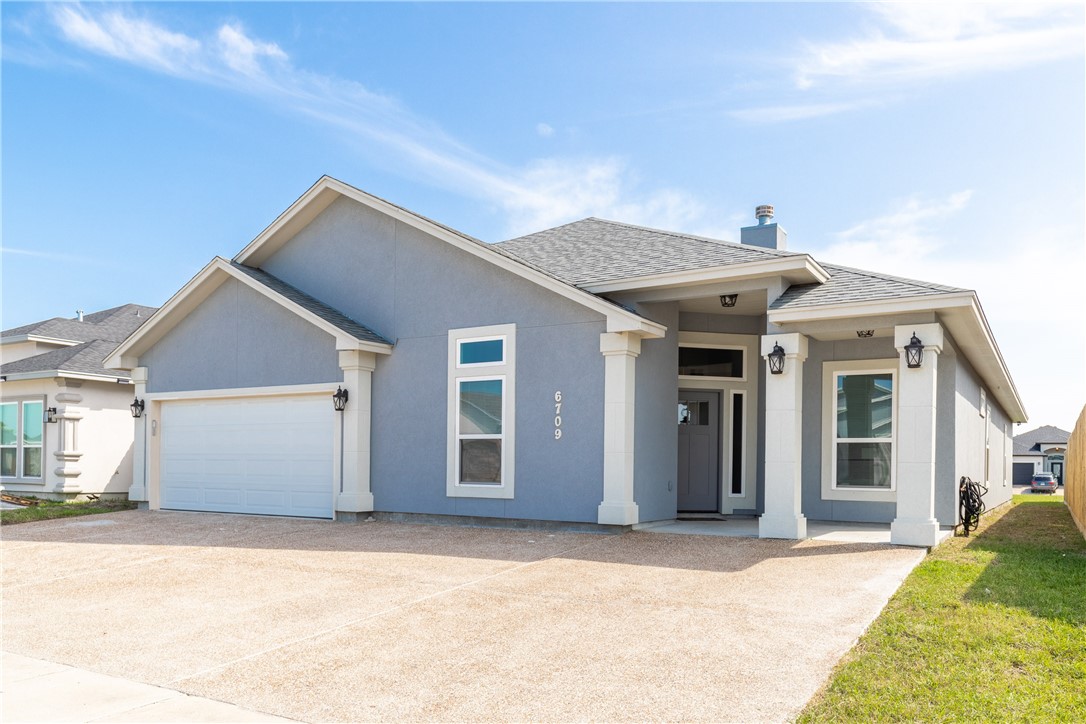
[699,451]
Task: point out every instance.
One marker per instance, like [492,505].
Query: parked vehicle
[1043,483]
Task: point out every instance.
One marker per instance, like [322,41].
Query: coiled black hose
[970,503]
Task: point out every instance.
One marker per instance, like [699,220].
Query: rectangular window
[21,439]
[737,444]
[711,362]
[863,440]
[482,376]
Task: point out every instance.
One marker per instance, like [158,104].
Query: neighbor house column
[915,524]
[620,351]
[354,494]
[783,517]
[68,453]
[138,489]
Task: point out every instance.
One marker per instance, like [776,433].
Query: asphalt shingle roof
[592,251]
[856,285]
[1027,441]
[317,307]
[99,334]
[113,324]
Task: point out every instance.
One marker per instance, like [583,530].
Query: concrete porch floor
[747,527]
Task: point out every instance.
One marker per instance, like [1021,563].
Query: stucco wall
[656,436]
[969,437]
[239,338]
[413,289]
[105,436]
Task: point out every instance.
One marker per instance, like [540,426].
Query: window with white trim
[863,436]
[21,438]
[482,377]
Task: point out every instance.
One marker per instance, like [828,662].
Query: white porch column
[620,351]
[915,524]
[355,495]
[138,489]
[783,517]
[67,453]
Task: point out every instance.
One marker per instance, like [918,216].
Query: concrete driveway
[380,621]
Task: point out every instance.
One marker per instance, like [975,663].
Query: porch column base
[354,502]
[790,527]
[916,532]
[137,493]
[617,514]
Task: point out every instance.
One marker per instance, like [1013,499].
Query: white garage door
[266,455]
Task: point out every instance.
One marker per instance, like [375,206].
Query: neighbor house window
[21,431]
[863,454]
[482,374]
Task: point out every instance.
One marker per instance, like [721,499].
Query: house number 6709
[558,415]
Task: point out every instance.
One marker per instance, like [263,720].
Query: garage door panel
[268,456]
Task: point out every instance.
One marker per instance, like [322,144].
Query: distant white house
[1039,451]
[65,420]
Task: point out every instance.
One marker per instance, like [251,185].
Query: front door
[699,451]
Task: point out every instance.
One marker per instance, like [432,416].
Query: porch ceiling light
[728,300]
[339,399]
[914,352]
[776,360]
[136,407]
[865,333]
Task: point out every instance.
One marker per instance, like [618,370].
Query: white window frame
[20,446]
[830,372]
[505,370]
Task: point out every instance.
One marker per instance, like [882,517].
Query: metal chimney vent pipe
[764,214]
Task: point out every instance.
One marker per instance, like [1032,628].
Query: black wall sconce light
[776,360]
[136,407]
[339,399]
[914,353]
[50,415]
[728,300]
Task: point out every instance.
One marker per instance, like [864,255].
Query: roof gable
[323,193]
[349,334]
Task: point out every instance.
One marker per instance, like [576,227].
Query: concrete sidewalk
[41,691]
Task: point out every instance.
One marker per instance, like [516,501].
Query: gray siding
[655,432]
[725,323]
[412,289]
[238,338]
[969,437]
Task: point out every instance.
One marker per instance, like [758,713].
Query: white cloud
[775,114]
[544,193]
[920,41]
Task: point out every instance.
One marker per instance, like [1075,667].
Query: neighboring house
[540,379]
[65,421]
[1040,451]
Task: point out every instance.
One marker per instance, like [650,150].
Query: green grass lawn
[988,628]
[49,509]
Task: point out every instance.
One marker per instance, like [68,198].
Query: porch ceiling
[749,303]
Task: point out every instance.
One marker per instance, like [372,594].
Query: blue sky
[940,142]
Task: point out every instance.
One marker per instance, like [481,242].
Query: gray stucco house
[597,372]
[1040,451]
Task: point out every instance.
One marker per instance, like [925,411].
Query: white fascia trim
[896,305]
[317,388]
[125,357]
[49,374]
[15,339]
[800,268]
[321,195]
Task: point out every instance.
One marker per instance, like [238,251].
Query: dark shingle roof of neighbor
[99,334]
[1026,441]
[593,251]
[113,324]
[317,307]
